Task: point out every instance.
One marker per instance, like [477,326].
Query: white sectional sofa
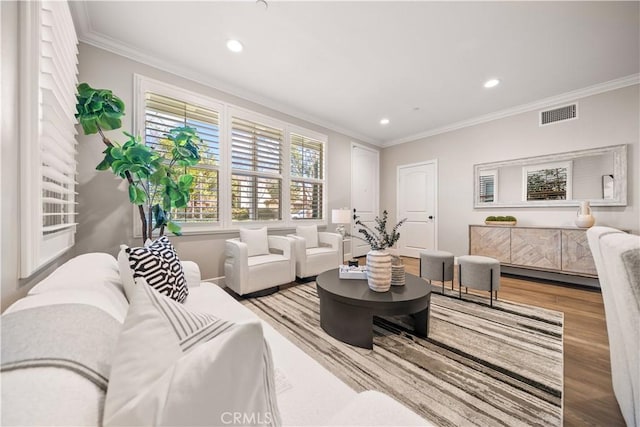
[617,258]
[307,393]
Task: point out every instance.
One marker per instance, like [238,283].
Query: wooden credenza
[563,252]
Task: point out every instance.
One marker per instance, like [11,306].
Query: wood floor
[588,394]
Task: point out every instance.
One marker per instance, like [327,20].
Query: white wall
[609,118]
[105,214]
[12,286]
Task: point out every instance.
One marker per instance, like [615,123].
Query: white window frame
[493,173]
[245,114]
[143,84]
[38,248]
[553,165]
[324,140]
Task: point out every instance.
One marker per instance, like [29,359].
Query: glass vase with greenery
[158,182]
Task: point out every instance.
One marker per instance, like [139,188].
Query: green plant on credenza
[157,179]
[501,220]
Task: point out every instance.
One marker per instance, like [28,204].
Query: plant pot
[500,222]
[379,270]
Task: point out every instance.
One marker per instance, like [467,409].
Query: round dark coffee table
[347,306]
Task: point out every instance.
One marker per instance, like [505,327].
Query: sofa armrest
[236,264]
[283,244]
[191,273]
[299,247]
[286,246]
[332,239]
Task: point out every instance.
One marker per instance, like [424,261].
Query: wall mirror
[562,179]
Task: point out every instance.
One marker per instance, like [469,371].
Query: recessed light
[491,83]
[384,121]
[234,46]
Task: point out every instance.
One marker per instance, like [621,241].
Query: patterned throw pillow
[159,265]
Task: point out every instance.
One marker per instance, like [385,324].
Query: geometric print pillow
[160,266]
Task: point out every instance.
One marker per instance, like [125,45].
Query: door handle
[430,216]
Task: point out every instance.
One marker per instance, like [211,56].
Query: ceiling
[346,65]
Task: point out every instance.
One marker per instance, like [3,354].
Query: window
[551,181]
[307,177]
[488,186]
[163,114]
[48,87]
[254,168]
[256,163]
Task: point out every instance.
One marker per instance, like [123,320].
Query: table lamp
[341,217]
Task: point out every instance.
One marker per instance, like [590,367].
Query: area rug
[479,366]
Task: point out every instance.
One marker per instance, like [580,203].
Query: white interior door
[365,184]
[417,189]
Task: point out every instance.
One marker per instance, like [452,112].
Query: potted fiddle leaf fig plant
[158,181]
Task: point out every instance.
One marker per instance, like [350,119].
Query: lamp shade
[341,216]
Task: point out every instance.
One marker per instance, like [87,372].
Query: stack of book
[353,272]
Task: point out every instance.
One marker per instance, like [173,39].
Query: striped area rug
[478,367]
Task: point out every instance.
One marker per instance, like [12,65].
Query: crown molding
[89,36]
[633,79]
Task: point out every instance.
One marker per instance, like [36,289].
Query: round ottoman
[479,272]
[437,265]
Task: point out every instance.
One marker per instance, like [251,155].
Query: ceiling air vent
[559,114]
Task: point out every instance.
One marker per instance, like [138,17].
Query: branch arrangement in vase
[158,179]
[378,238]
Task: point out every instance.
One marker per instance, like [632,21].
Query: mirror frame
[619,185]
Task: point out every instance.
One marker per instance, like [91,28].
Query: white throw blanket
[76,337]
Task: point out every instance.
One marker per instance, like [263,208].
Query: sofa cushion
[93,270]
[159,265]
[256,240]
[314,393]
[267,259]
[170,362]
[110,302]
[321,250]
[309,233]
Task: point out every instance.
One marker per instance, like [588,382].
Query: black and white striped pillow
[160,266]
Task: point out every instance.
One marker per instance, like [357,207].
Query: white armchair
[246,272]
[312,259]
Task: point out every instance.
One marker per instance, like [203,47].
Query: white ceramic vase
[584,219]
[379,270]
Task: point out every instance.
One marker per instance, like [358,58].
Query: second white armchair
[316,251]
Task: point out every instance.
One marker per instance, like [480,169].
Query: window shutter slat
[162,114]
[307,181]
[58,80]
[256,150]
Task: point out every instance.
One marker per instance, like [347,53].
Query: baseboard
[549,275]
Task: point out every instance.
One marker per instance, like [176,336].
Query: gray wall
[105,214]
[605,119]
[12,287]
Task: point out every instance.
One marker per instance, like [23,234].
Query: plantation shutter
[256,179]
[307,177]
[487,185]
[48,154]
[163,114]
